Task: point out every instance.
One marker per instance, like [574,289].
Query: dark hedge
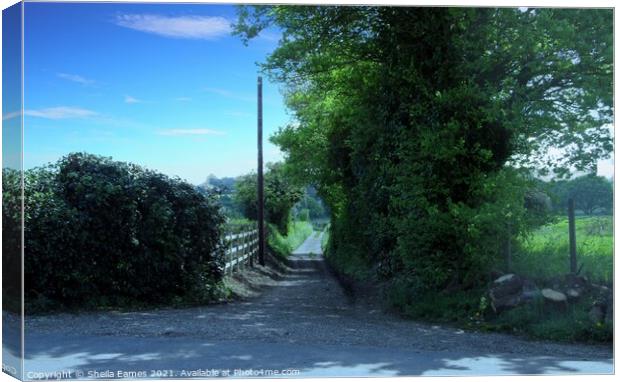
[105,233]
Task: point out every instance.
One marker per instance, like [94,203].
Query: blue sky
[161,85]
[11,85]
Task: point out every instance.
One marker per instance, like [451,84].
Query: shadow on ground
[303,322]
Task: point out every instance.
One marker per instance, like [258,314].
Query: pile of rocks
[511,290]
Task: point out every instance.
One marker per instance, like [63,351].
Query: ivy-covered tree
[417,125]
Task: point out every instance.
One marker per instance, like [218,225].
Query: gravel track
[306,308]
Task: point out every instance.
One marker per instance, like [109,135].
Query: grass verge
[282,246]
[471,310]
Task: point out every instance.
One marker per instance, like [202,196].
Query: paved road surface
[312,245]
[303,326]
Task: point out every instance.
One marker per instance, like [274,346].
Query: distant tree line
[592,194]
[310,207]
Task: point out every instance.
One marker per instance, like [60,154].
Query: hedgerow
[102,232]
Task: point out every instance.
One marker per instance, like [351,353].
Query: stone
[503,303]
[575,281]
[553,295]
[506,285]
[505,292]
[575,286]
[601,290]
[504,278]
[573,294]
[495,274]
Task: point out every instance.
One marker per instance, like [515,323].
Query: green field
[545,253]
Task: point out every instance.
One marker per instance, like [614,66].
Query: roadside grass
[541,256]
[281,245]
[470,310]
[566,324]
[545,253]
[236,224]
[325,239]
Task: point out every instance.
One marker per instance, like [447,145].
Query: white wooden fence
[241,248]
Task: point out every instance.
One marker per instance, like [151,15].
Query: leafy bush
[11,240]
[100,232]
[570,325]
[304,215]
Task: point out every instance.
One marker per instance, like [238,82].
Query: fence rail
[241,247]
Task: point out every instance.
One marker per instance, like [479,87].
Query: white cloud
[75,78]
[130,99]
[179,132]
[193,27]
[61,112]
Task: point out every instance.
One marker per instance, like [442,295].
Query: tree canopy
[417,124]
[591,194]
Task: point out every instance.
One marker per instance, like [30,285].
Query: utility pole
[261,197]
[571,236]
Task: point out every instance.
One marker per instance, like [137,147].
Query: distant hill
[224,185]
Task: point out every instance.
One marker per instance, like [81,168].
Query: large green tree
[280,196]
[410,122]
[591,193]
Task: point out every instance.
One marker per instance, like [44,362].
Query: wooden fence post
[571,236]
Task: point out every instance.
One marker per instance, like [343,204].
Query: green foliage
[325,239]
[238,224]
[591,193]
[313,204]
[282,246]
[222,189]
[548,245]
[410,122]
[304,215]
[458,308]
[100,232]
[280,197]
[11,240]
[569,325]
